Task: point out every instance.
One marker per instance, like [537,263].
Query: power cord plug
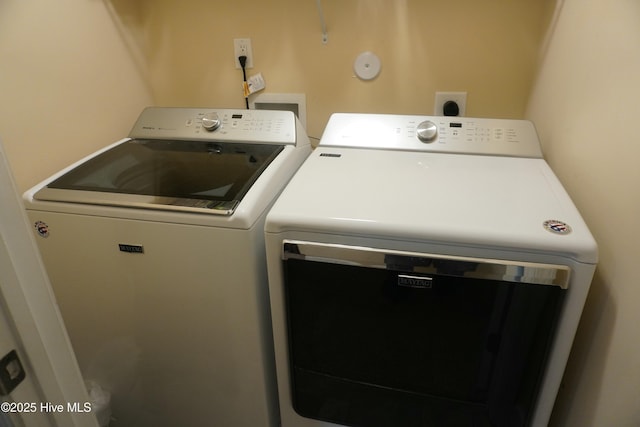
[243,62]
[242,59]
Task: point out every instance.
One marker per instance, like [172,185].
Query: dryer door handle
[415,262]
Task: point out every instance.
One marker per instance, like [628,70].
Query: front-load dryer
[155,250]
[424,271]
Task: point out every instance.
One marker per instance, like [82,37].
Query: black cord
[243,62]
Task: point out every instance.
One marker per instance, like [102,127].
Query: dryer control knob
[427,131]
[211,121]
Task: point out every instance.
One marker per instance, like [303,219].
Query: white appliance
[155,250]
[424,271]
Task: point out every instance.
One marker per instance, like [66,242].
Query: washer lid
[207,177]
[472,200]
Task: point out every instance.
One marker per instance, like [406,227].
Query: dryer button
[427,131]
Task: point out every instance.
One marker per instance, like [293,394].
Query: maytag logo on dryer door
[419,282]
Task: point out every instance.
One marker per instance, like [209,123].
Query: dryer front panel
[386,338]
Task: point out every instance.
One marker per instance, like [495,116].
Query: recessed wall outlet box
[295,102]
[242,47]
[460,98]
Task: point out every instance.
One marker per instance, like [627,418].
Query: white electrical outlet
[242,47]
[459,98]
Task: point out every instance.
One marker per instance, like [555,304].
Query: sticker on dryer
[557,227]
[42,228]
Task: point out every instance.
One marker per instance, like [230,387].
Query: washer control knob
[427,131]
[211,121]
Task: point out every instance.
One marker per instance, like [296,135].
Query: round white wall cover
[367,66]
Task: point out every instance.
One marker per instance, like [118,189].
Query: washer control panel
[257,126]
[463,135]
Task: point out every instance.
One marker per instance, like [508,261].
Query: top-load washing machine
[424,271]
[155,250]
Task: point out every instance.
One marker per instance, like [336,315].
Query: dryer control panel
[462,135]
[256,126]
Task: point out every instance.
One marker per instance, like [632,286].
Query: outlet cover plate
[242,47]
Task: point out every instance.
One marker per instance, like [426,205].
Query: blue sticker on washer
[42,228]
[557,227]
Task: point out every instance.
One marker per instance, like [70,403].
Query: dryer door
[384,338]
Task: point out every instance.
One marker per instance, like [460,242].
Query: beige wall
[488,49]
[585,106]
[68,85]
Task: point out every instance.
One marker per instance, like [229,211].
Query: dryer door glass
[166,173]
[390,339]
